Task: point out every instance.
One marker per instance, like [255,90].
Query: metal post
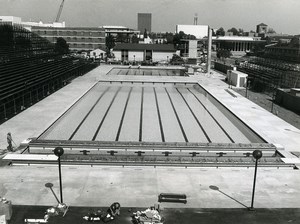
[209,46]
[59,151]
[246,87]
[254,183]
[272,106]
[257,154]
[229,81]
[60,181]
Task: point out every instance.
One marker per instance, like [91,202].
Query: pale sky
[281,15]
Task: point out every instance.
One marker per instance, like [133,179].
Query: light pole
[247,87]
[229,81]
[257,154]
[59,151]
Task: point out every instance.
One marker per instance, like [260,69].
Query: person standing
[9,142]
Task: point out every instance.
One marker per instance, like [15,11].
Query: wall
[193,47]
[222,67]
[139,55]
[284,98]
[117,55]
[162,56]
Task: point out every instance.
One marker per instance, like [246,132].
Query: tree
[271,30]
[61,46]
[134,39]
[176,60]
[177,38]
[240,32]
[234,31]
[110,43]
[122,38]
[145,34]
[223,53]
[213,33]
[170,38]
[220,32]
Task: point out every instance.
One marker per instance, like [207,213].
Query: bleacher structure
[267,74]
[31,69]
[272,73]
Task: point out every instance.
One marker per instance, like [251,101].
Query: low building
[191,48]
[236,43]
[78,38]
[143,52]
[97,53]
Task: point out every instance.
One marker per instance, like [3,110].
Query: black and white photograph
[149,111]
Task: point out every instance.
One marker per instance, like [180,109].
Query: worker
[114,209]
[9,142]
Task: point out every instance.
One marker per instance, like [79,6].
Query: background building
[236,43]
[261,28]
[144,52]
[144,22]
[78,38]
[13,20]
[121,34]
[199,31]
[287,51]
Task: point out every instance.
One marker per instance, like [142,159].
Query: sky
[281,15]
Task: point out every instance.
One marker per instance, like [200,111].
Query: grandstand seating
[31,69]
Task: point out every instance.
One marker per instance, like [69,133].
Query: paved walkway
[140,186]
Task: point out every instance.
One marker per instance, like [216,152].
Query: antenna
[196,19]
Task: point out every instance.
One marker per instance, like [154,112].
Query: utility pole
[208,64]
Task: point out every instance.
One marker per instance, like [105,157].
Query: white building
[144,52]
[27,25]
[199,31]
[236,43]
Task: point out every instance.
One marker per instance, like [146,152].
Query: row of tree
[236,32]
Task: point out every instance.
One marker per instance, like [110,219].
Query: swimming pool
[149,112]
[147,72]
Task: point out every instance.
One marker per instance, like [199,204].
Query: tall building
[144,22]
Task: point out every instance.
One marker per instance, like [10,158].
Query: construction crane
[59,11]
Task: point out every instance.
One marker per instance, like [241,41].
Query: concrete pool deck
[33,121]
[139,186]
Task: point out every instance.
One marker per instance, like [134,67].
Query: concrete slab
[140,186]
